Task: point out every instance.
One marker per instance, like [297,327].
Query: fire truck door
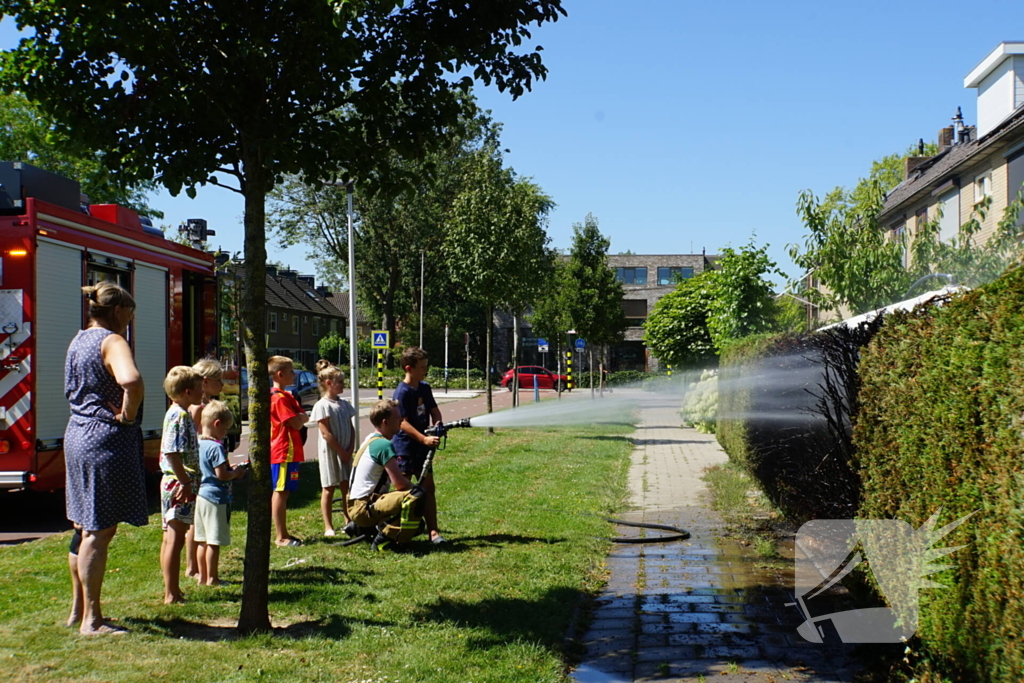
[150,327]
[58,319]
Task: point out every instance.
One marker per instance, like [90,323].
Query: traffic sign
[379,339]
[541,341]
[542,348]
[529,341]
[581,344]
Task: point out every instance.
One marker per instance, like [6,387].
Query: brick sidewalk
[695,609]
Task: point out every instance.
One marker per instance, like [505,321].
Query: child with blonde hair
[212,373]
[213,506]
[179,460]
[334,417]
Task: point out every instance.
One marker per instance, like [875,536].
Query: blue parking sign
[581,344]
[379,339]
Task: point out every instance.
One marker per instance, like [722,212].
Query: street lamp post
[353,344]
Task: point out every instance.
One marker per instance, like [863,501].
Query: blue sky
[686,126]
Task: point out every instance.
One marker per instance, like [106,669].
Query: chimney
[288,274]
[999,79]
[309,280]
[323,291]
[272,271]
[910,164]
[945,138]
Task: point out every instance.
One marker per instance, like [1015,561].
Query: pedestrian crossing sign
[379,339]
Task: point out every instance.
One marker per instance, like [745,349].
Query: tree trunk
[487,363]
[255,615]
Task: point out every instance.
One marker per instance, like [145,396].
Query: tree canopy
[27,135]
[691,324]
[241,95]
[860,265]
[496,242]
[677,331]
[592,296]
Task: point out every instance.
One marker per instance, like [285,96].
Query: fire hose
[441,430]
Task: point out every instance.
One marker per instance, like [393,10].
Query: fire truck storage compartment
[19,181]
[150,330]
[58,319]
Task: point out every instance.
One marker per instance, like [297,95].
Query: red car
[530,375]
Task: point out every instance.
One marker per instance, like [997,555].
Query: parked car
[305,390]
[531,375]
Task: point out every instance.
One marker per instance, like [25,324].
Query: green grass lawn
[493,606]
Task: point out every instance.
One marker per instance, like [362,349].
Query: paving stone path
[700,609]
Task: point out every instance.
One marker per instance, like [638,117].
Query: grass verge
[748,515]
[493,606]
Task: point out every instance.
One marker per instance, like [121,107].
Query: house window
[295,324]
[672,275]
[305,320]
[899,234]
[949,222]
[316,326]
[273,322]
[631,276]
[1015,179]
[982,186]
[635,309]
[334,324]
[284,317]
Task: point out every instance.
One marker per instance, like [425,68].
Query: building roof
[298,294]
[340,301]
[946,164]
[990,62]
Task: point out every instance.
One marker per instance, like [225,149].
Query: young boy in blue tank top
[419,410]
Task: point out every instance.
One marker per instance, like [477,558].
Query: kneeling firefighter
[395,516]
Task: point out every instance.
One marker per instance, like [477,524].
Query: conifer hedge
[939,426]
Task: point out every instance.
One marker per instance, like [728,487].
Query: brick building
[645,279]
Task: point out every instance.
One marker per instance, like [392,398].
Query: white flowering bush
[700,403]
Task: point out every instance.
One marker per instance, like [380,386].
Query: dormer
[999,79]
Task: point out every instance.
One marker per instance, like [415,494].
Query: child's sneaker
[329,532]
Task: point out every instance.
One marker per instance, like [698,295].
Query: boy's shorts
[285,476]
[213,523]
[169,510]
[411,465]
[334,470]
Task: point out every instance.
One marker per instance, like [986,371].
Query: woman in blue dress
[102,447]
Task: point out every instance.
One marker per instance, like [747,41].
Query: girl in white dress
[334,416]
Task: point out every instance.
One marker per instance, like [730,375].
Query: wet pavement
[696,609]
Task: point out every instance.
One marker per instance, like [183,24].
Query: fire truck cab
[51,245]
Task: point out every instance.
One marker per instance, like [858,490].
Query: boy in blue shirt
[213,506]
[419,410]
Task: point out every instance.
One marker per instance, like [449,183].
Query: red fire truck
[50,246]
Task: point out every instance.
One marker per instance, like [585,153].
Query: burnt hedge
[786,405]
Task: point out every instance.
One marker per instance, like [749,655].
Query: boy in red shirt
[286,419]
